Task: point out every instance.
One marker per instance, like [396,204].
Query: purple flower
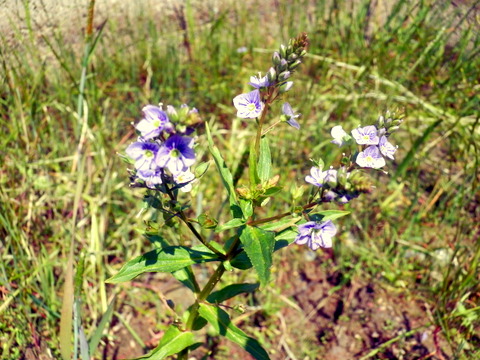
[319,177]
[290,116]
[316,234]
[259,82]
[340,137]
[144,154]
[249,105]
[370,158]
[176,154]
[386,148]
[151,177]
[155,121]
[366,135]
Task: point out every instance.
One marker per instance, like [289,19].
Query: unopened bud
[286,87]
[294,65]
[380,122]
[276,58]
[283,65]
[393,129]
[283,51]
[271,74]
[292,57]
[284,75]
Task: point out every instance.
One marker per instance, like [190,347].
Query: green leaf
[264,161]
[330,214]
[168,259]
[226,176]
[97,335]
[221,322]
[280,224]
[187,278]
[230,291]
[252,166]
[258,244]
[282,239]
[247,207]
[234,223]
[173,341]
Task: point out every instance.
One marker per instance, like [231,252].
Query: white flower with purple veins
[318,177]
[259,82]
[370,158]
[144,154]
[340,137]
[155,121]
[366,135]
[249,105]
[316,234]
[176,154]
[386,148]
[290,116]
[185,179]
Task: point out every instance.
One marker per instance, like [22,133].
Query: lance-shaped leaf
[173,341]
[259,244]
[167,259]
[230,291]
[221,322]
[264,168]
[325,215]
[226,176]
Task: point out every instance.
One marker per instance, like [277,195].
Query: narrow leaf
[97,335]
[264,161]
[168,259]
[252,166]
[66,318]
[225,174]
[221,322]
[173,341]
[84,352]
[330,214]
[234,223]
[230,291]
[258,244]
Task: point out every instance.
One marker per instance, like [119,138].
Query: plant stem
[194,231]
[279,216]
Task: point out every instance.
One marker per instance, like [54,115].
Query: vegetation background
[402,281]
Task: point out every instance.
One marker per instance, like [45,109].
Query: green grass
[62,183]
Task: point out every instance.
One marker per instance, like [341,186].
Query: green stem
[194,231]
[279,216]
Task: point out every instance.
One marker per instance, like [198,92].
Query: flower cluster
[275,82]
[347,183]
[374,139]
[163,152]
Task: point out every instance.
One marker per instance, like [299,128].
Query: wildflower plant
[165,163]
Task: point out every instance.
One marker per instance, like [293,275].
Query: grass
[62,184]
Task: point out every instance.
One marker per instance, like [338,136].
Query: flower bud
[271,74]
[397,122]
[393,129]
[294,65]
[380,122]
[292,57]
[284,75]
[303,53]
[342,176]
[283,65]
[283,51]
[285,87]
[276,58]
